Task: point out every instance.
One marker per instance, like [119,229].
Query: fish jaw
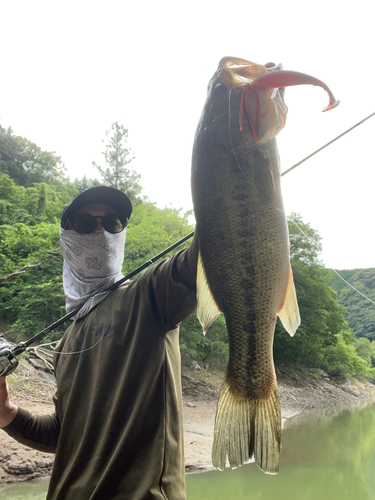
[241,70]
[266,104]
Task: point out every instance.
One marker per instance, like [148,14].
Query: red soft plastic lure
[272,80]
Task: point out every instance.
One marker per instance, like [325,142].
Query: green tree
[20,244]
[342,358]
[150,231]
[305,242]
[212,347]
[85,183]
[365,349]
[25,162]
[32,205]
[337,280]
[118,157]
[33,298]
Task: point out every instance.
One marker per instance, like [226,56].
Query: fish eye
[220,88]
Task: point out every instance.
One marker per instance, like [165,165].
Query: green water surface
[327,455]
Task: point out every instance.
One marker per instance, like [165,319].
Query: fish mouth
[237,72]
[242,68]
[269,76]
[263,85]
[243,71]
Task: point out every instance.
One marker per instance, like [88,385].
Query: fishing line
[295,223]
[75,352]
[334,270]
[308,157]
[300,163]
[372,302]
[328,144]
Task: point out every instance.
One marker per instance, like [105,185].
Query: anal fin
[207,309]
[289,312]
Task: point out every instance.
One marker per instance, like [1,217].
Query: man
[117,427]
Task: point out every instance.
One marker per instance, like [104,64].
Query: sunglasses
[86,223]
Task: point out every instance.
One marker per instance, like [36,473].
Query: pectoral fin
[207,309]
[289,312]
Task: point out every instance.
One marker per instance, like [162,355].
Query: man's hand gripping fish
[243,267]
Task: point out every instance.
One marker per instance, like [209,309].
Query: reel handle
[8,361]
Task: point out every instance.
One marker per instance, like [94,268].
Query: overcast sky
[70,69]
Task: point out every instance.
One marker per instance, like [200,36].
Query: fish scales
[254,236]
[243,271]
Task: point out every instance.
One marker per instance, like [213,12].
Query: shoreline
[199,419]
[299,391]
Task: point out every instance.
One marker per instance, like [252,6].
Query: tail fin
[245,427]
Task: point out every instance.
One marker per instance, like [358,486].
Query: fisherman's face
[97,210]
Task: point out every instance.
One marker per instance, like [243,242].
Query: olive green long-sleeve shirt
[117,429]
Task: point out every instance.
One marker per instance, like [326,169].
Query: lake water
[327,455]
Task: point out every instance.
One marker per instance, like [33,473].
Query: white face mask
[92,262]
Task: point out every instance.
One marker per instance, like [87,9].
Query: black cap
[101,194]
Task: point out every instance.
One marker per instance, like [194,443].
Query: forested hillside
[360,310]
[31,202]
[33,191]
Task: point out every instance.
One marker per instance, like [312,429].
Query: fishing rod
[8,355]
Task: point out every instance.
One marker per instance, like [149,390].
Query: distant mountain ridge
[360,311]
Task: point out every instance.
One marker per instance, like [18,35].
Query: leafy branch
[19,271]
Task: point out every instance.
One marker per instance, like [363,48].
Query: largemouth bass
[243,266]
